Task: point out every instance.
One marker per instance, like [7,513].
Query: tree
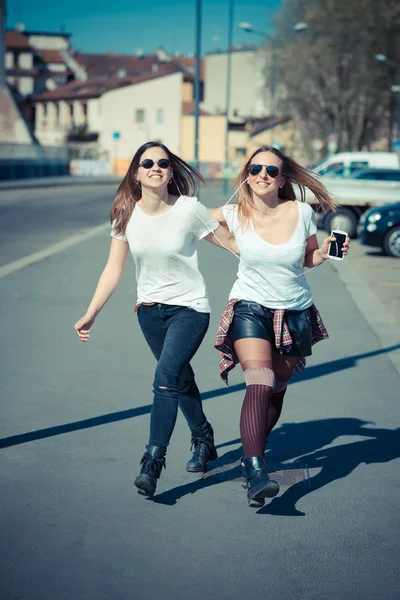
[333,82]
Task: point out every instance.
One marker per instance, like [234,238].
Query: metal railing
[12,152]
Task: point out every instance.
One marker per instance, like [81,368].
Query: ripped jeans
[174,334]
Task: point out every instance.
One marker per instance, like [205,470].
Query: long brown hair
[294,174]
[129,191]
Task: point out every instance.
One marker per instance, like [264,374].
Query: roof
[51,56]
[189,106]
[16,41]
[93,88]
[236,49]
[189,64]
[105,66]
[49,33]
[255,126]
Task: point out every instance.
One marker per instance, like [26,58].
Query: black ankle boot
[204,451]
[259,485]
[153,460]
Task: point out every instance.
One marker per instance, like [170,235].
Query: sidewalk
[63,180]
[373,281]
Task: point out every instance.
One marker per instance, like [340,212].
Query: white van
[351,161]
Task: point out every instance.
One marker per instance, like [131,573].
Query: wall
[9,60]
[48,42]
[118,112]
[282,134]
[248,96]
[12,127]
[25,60]
[25,85]
[187,91]
[52,128]
[211,138]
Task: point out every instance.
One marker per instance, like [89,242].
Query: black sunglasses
[147,163]
[270,169]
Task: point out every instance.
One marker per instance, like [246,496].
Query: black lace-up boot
[259,485]
[153,460]
[204,451]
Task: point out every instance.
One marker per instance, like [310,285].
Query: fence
[19,161]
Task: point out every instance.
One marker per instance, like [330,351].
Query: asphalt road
[74,423]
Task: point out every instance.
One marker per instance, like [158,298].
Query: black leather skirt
[251,320]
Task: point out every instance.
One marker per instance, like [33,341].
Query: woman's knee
[165,380]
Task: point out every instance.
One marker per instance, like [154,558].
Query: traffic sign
[116,135]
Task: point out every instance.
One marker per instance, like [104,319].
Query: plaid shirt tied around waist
[283,339]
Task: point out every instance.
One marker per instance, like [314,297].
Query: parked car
[369,174]
[378,174]
[357,160]
[380,227]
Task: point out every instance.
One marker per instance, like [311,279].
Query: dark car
[381,227]
[378,174]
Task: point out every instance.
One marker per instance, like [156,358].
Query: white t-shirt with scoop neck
[272,274]
[163,248]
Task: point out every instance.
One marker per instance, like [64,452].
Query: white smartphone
[335,248]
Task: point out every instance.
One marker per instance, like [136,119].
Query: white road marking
[26,261]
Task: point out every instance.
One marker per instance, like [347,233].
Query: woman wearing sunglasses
[270,322]
[156,216]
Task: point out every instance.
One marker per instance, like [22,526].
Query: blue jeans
[174,334]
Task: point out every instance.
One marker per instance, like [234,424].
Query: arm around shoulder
[218,215]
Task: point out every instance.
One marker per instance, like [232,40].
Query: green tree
[333,81]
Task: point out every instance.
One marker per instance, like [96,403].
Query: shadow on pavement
[310,373]
[301,443]
[336,462]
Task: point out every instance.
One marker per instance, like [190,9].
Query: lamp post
[197,83]
[228,91]
[248,27]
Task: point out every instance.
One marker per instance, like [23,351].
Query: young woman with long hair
[270,322]
[156,216]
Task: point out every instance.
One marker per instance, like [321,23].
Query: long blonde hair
[129,191]
[293,173]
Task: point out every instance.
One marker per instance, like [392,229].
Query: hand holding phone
[335,248]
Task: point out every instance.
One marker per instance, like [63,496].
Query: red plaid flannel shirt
[283,339]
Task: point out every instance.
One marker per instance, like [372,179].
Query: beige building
[249,95]
[112,119]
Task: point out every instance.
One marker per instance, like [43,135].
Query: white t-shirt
[164,251]
[269,274]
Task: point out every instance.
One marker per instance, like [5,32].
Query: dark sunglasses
[147,163]
[270,169]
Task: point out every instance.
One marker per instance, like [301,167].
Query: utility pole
[197,84]
[228,91]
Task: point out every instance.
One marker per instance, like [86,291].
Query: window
[140,115]
[160,116]
[330,168]
[359,164]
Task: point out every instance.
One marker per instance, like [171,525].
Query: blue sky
[122,26]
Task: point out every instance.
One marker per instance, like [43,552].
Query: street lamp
[248,27]
[298,27]
[197,83]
